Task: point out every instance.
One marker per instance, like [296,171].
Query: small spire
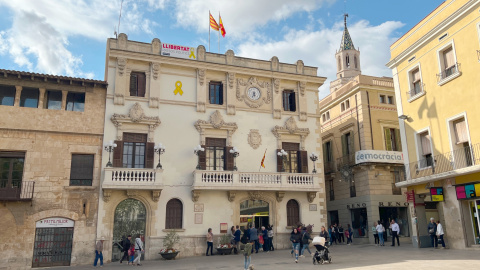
[345,19]
[347,43]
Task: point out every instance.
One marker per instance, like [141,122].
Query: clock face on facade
[253,93]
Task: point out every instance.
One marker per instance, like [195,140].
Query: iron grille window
[215,154]
[174,214]
[81,172]
[137,84]
[293,213]
[52,247]
[291,163]
[7,95]
[75,102]
[216,93]
[289,101]
[29,97]
[134,150]
[11,169]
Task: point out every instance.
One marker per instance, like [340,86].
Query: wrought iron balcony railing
[417,89]
[22,191]
[346,160]
[448,72]
[329,167]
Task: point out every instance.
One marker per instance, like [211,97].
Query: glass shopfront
[399,214]
[359,222]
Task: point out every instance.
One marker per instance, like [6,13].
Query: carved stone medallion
[136,112]
[263,86]
[254,138]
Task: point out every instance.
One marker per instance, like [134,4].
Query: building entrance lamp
[159,149]
[314,157]
[197,151]
[235,153]
[282,154]
[109,147]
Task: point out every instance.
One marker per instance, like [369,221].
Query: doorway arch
[130,219]
[255,212]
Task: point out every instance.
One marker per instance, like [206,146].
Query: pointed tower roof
[347,43]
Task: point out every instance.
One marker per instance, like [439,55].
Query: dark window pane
[29,97]
[216,93]
[54,100]
[11,169]
[7,95]
[81,172]
[134,150]
[137,84]
[75,102]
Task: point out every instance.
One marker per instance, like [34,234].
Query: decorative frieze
[290,127]
[216,122]
[121,64]
[277,114]
[156,195]
[155,70]
[231,109]
[201,76]
[279,195]
[243,86]
[119,99]
[301,87]
[311,196]
[201,106]
[231,195]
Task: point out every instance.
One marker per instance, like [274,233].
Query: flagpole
[260,162]
[209,31]
[219,34]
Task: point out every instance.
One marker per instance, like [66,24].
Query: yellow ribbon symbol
[192,53]
[178,88]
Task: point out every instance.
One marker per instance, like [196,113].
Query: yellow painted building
[435,69]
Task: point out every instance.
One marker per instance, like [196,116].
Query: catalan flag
[222,29]
[263,159]
[213,23]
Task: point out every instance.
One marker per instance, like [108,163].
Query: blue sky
[68,37]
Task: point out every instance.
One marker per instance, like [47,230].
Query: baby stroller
[322,254]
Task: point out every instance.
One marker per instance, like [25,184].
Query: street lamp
[159,149]
[197,151]
[283,155]
[235,153]
[314,157]
[109,147]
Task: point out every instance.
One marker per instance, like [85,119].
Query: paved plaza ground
[369,257]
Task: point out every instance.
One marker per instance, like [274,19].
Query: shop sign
[364,156]
[392,204]
[179,51]
[468,191]
[410,196]
[56,222]
[223,227]
[437,194]
[356,205]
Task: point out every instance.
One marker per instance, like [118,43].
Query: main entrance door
[53,242]
[130,219]
[255,212]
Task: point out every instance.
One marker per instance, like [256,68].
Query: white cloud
[317,48]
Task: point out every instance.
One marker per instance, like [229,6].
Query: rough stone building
[51,131]
[361,148]
[184,97]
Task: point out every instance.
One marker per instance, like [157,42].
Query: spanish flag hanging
[213,23]
[222,29]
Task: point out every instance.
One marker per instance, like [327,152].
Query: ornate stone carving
[280,195]
[231,109]
[201,106]
[311,196]
[106,195]
[255,195]
[201,53]
[216,122]
[201,76]
[254,138]
[136,112]
[118,99]
[131,193]
[303,116]
[231,195]
[276,85]
[277,114]
[275,63]
[121,63]
[290,127]
[156,195]
[153,102]
[300,67]
[195,195]
[231,79]
[301,87]
[155,70]
[136,115]
[263,86]
[156,46]
[229,57]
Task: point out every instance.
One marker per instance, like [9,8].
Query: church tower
[347,59]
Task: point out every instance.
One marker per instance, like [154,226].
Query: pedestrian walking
[395,233]
[270,237]
[305,240]
[232,235]
[375,233]
[209,242]
[341,234]
[296,238]
[254,237]
[440,234]
[324,233]
[331,234]
[247,252]
[138,250]
[131,254]
[349,234]
[126,246]
[236,238]
[99,252]
[380,230]
[432,230]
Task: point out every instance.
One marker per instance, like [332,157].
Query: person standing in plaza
[126,246]
[375,233]
[324,233]
[236,238]
[341,235]
[209,242]
[99,252]
[296,238]
[254,237]
[331,234]
[266,245]
[395,233]
[432,230]
[380,230]
[349,234]
[270,237]
[335,231]
[440,234]
[138,250]
[247,252]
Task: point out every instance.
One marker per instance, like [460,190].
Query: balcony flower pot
[225,247]
[224,250]
[169,254]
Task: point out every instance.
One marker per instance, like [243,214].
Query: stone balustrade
[130,178]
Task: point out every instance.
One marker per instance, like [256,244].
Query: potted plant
[225,247]
[168,252]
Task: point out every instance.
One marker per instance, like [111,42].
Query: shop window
[293,213]
[392,139]
[29,97]
[75,102]
[216,93]
[289,101]
[137,84]
[54,100]
[7,95]
[174,214]
[81,172]
[359,222]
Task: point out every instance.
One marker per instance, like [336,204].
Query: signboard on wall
[56,222]
[179,51]
[468,191]
[366,156]
[410,196]
[437,194]
[223,227]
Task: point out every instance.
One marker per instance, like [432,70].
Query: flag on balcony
[263,159]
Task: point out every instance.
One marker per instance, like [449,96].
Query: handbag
[431,231]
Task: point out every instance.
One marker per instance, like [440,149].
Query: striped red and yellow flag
[263,159]
[220,24]
[213,23]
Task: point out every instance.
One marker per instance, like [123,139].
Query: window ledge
[417,96]
[173,230]
[216,106]
[449,78]
[79,187]
[134,98]
[289,113]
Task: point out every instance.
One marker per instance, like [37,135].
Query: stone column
[64,99]
[41,97]
[18,94]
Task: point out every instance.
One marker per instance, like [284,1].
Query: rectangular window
[289,101]
[216,93]
[323,117]
[353,191]
[460,128]
[29,97]
[54,100]
[11,169]
[134,151]
[137,84]
[327,152]
[383,99]
[448,61]
[347,104]
[291,163]
[7,95]
[416,82]
[215,154]
[81,172]
[342,107]
[426,150]
[390,100]
[75,102]
[392,139]
[347,144]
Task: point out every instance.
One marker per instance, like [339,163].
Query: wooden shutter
[149,155]
[293,104]
[302,162]
[398,142]
[344,145]
[220,94]
[293,215]
[425,141]
[202,158]
[449,59]
[141,83]
[174,214]
[133,84]
[285,100]
[460,131]
[388,139]
[279,161]
[118,155]
[229,159]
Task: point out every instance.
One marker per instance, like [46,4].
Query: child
[247,252]
[131,253]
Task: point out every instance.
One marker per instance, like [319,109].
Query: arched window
[174,217]
[355,61]
[339,66]
[347,61]
[293,213]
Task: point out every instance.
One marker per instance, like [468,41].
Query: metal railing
[448,72]
[329,167]
[23,191]
[443,163]
[418,88]
[346,160]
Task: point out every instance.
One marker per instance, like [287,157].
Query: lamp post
[197,151]
[283,155]
[235,153]
[314,157]
[159,149]
[109,147]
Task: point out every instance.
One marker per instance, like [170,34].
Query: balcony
[132,179]
[251,181]
[459,162]
[23,192]
[348,160]
[448,74]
